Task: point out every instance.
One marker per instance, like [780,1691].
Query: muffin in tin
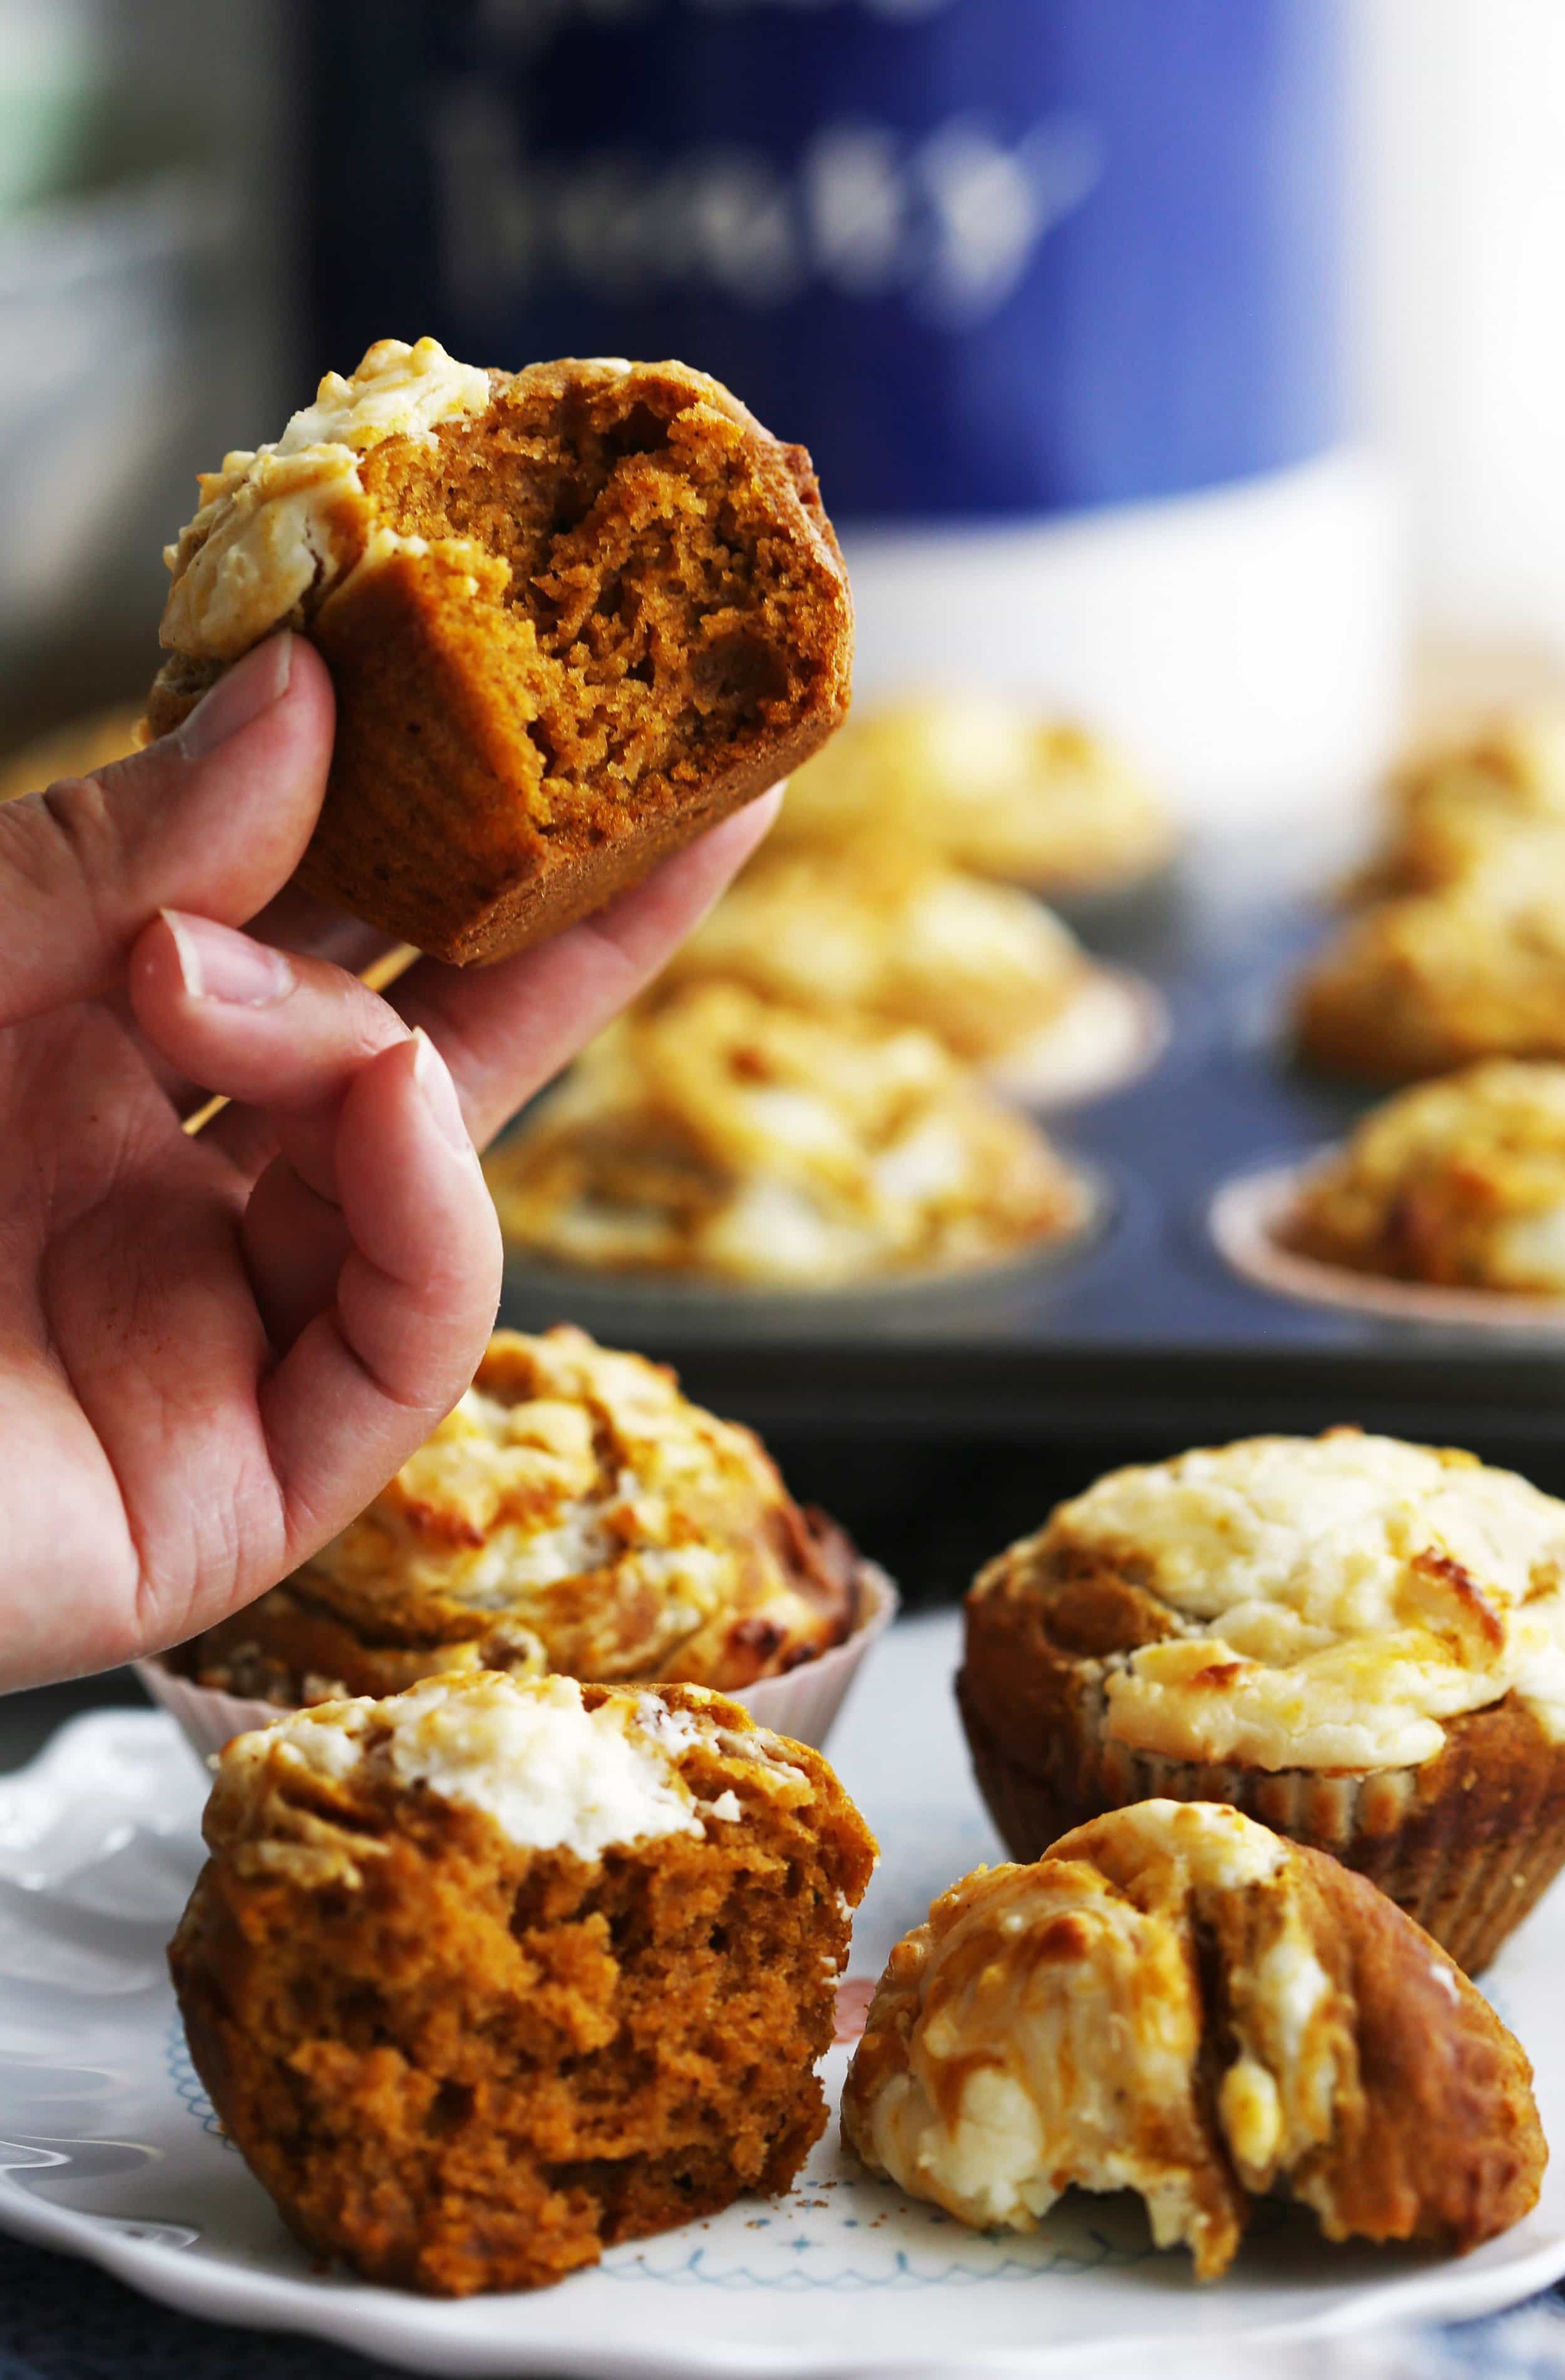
[575,1514]
[1359,1642]
[1452,809]
[1425,984]
[1176,2001]
[725,1136]
[1459,1182]
[890,931]
[485,1977]
[990,784]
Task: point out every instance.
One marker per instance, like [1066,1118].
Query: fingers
[282,1035]
[505,1030]
[416,1297]
[212,818]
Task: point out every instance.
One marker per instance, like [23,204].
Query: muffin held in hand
[1460,1181]
[491,1974]
[574,616]
[1175,2001]
[1425,984]
[1359,1642]
[1453,810]
[723,1134]
[988,784]
[573,1514]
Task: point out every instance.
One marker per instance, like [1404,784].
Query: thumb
[212,818]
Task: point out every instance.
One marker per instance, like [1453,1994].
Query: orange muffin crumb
[491,1974]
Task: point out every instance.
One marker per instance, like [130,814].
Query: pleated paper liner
[1464,1887]
[802,1704]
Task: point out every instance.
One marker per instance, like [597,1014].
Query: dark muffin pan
[1140,1334]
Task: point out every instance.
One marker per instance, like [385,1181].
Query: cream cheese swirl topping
[284,523]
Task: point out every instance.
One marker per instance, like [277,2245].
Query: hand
[215,1348]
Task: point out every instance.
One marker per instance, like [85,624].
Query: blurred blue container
[1013,269]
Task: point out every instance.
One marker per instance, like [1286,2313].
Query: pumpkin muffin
[1425,984]
[574,616]
[723,1136]
[1459,1182]
[486,1976]
[573,1514]
[1453,810]
[1359,1642]
[886,929]
[988,784]
[1176,2001]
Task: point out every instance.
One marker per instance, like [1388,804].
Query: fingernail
[433,1078]
[242,693]
[217,964]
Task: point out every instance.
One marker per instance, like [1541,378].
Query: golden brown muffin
[573,616]
[988,784]
[1359,1642]
[1174,2001]
[491,1974]
[726,1136]
[1425,984]
[1459,1182]
[575,1514]
[74,750]
[887,930]
[1455,809]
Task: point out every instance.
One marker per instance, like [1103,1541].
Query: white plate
[108,2149]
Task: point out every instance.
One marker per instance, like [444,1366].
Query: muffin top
[726,1134]
[889,929]
[1452,806]
[1303,1603]
[575,1513]
[988,783]
[554,1764]
[1424,985]
[1175,2001]
[1458,1181]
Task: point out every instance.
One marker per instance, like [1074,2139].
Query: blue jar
[1052,289]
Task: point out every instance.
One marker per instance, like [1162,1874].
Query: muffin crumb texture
[573,1514]
[1176,2002]
[574,614]
[486,1976]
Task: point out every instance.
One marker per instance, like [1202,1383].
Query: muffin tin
[1141,1332]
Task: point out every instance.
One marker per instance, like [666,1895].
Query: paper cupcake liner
[1246,1216]
[1112,1030]
[1464,1887]
[802,1704]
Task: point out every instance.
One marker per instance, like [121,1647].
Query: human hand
[215,1348]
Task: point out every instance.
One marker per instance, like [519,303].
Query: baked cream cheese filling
[289,520]
[1046,2029]
[1336,1599]
[550,1772]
